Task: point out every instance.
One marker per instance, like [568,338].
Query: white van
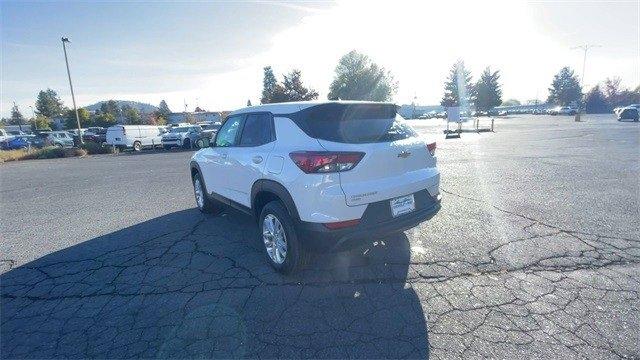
[135,136]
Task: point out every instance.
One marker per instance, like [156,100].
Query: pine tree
[269,85]
[565,88]
[596,102]
[488,91]
[458,90]
[16,116]
[49,104]
[294,90]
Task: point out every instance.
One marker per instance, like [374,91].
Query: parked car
[318,175]
[95,134]
[210,130]
[4,135]
[181,136]
[134,137]
[562,110]
[56,138]
[16,133]
[628,113]
[21,142]
[619,109]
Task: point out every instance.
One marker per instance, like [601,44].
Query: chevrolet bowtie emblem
[404,154]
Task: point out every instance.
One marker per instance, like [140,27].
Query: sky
[211,53]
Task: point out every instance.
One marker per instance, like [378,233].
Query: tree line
[49,106]
[565,90]
[356,77]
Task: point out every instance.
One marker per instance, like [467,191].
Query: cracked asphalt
[535,254]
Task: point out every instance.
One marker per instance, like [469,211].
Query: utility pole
[20,121]
[73,97]
[33,115]
[413,115]
[585,48]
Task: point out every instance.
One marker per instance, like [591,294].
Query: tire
[186,144]
[137,146]
[295,256]
[205,204]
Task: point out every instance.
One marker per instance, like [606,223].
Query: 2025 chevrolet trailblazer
[318,175]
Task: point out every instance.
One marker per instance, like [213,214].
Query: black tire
[208,205]
[186,144]
[137,146]
[296,256]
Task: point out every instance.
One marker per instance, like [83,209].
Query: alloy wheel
[197,189]
[275,239]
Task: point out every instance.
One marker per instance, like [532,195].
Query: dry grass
[44,153]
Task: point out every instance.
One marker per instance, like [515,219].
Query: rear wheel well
[261,199]
[194,171]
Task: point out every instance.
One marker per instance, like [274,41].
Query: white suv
[318,175]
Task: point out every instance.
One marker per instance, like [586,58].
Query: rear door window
[228,134]
[353,123]
[256,130]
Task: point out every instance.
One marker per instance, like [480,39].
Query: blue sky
[212,53]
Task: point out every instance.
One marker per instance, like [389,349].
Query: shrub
[44,153]
[95,148]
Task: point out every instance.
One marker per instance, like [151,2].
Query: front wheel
[204,203]
[282,247]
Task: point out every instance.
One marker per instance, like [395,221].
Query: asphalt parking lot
[535,254]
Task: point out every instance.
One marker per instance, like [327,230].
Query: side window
[257,130]
[227,134]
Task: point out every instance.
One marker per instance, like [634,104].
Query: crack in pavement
[204,290]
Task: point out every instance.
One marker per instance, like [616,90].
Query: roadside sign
[453,114]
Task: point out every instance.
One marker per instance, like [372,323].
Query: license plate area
[402,205]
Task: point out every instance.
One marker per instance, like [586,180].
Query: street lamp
[73,97]
[585,48]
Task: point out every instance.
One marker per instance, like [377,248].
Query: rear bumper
[375,222]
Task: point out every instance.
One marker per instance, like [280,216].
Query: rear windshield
[353,123]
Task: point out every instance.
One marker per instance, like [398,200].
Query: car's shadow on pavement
[189,285]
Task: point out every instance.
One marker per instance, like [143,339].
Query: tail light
[432,148]
[325,161]
[341,224]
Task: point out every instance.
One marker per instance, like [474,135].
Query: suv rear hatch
[396,160]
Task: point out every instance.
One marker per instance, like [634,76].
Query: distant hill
[142,107]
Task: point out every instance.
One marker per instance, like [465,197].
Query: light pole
[73,97]
[19,121]
[33,116]
[585,48]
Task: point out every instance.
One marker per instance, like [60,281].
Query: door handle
[257,159]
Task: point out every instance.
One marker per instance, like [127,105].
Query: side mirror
[203,143]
